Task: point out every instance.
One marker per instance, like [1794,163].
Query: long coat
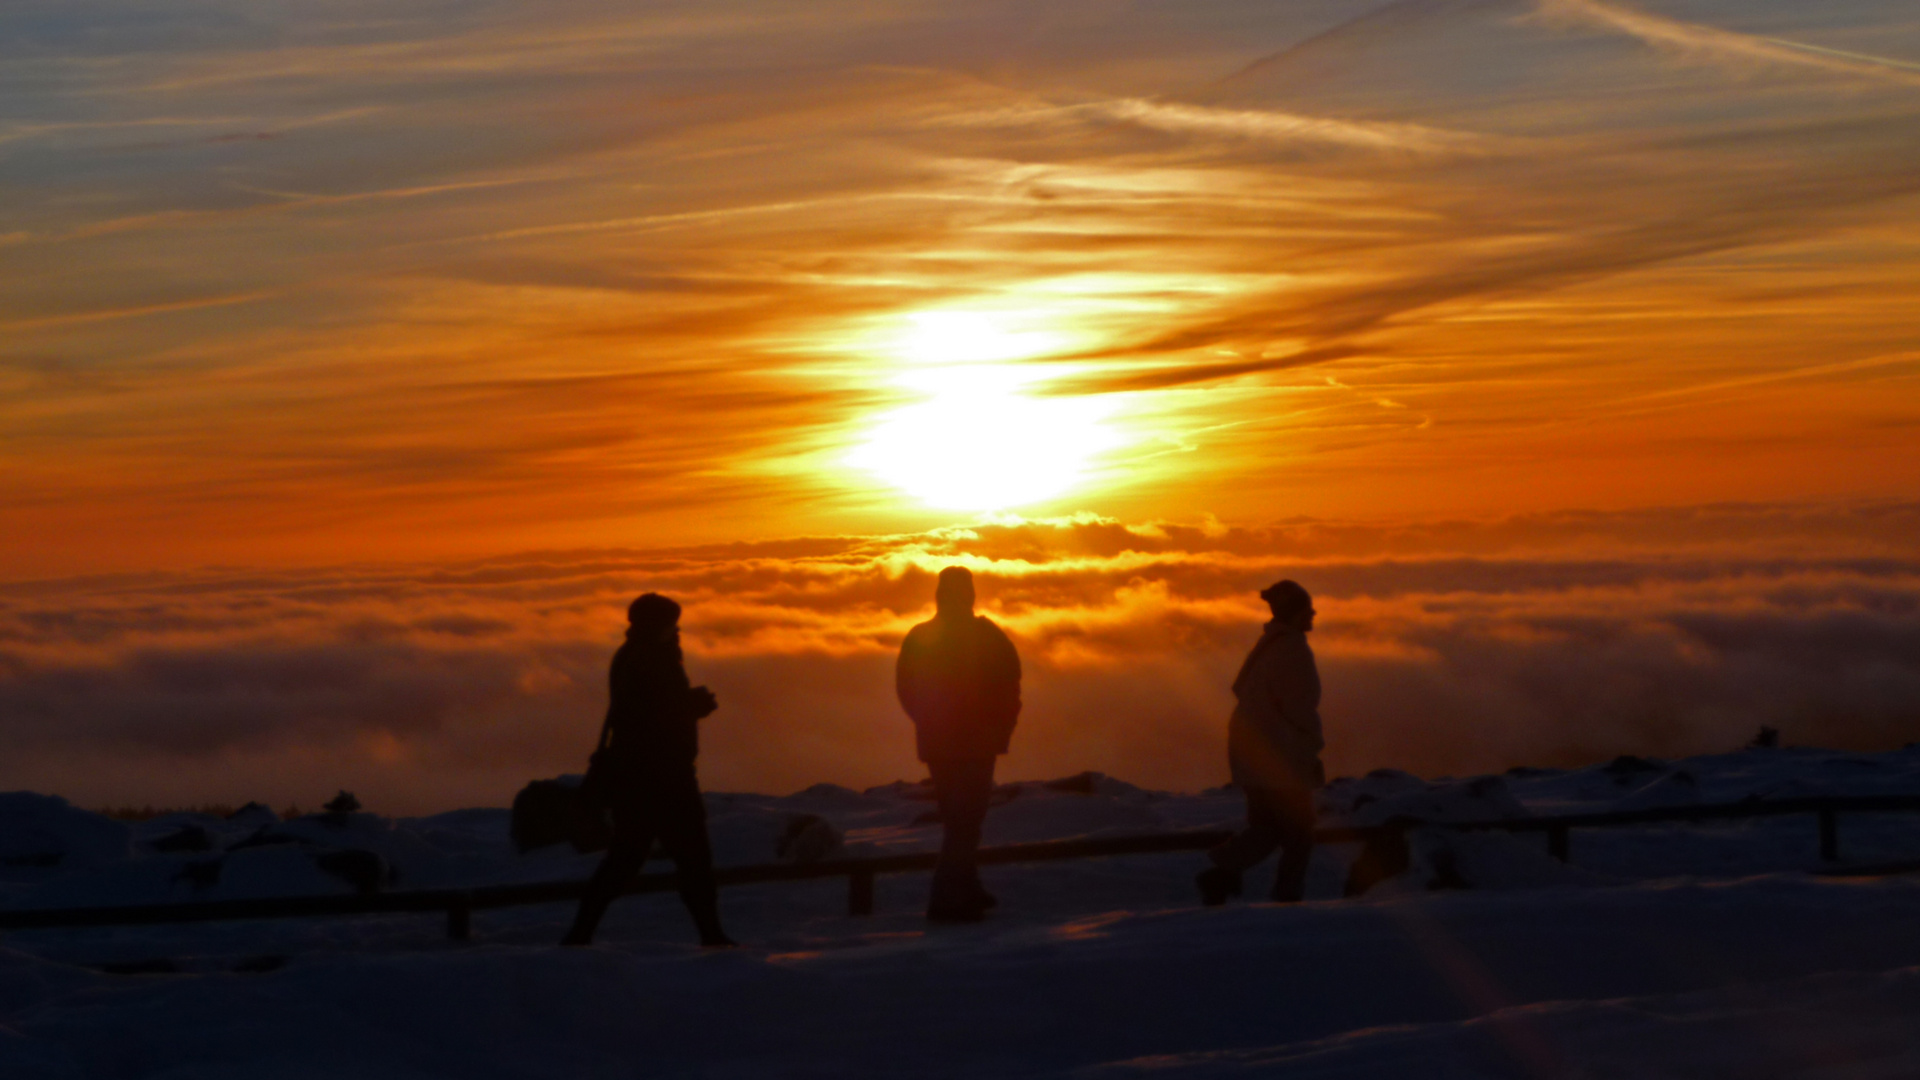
[655,722]
[1273,740]
[959,680]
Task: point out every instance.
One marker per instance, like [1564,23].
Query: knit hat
[653,612]
[1286,597]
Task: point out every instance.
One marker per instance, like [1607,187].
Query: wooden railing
[1384,853]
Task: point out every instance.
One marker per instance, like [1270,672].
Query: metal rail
[1384,854]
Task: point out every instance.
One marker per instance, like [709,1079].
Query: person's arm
[1296,694]
[907,678]
[1009,672]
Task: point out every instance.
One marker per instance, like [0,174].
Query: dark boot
[1216,884]
[1290,880]
[711,936]
[957,895]
[585,921]
[704,905]
[969,910]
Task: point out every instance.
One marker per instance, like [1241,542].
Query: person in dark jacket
[646,774]
[1273,748]
[958,678]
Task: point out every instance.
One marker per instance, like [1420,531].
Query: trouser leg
[683,829]
[625,856]
[1255,842]
[1293,810]
[962,789]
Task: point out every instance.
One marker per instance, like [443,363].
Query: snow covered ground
[1663,951]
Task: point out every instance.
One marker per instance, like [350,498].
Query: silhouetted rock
[255,814]
[902,789]
[548,812]
[1627,766]
[1079,784]
[186,838]
[807,838]
[364,870]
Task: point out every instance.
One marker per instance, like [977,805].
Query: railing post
[460,919]
[860,892]
[1829,834]
[1557,841]
[1383,855]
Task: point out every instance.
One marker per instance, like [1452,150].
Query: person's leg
[683,829]
[632,839]
[1294,812]
[1244,849]
[962,789]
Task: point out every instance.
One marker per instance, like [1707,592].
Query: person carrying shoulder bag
[643,773]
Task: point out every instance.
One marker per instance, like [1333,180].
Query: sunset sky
[360,358]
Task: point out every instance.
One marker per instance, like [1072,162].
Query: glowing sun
[979,438]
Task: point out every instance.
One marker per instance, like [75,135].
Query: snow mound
[1042,813]
[1441,859]
[1485,798]
[747,833]
[43,832]
[1677,788]
[829,798]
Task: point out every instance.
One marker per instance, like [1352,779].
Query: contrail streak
[1696,38]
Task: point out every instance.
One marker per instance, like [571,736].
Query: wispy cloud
[613,276]
[1712,43]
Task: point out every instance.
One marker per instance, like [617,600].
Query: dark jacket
[655,720]
[1273,740]
[958,677]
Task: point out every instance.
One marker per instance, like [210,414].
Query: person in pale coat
[1273,748]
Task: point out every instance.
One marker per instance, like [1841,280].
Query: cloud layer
[1446,647]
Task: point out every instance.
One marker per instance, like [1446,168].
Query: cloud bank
[1446,647]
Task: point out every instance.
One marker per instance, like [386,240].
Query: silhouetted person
[959,679]
[646,774]
[1273,747]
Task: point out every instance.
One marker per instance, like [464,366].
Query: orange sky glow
[421,284]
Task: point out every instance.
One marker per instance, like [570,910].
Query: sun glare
[981,437]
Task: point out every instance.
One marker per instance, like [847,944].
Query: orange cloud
[1446,647]
[509,280]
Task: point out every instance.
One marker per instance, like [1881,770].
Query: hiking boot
[1216,884]
[971,910]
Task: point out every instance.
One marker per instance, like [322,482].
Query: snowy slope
[1697,951]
